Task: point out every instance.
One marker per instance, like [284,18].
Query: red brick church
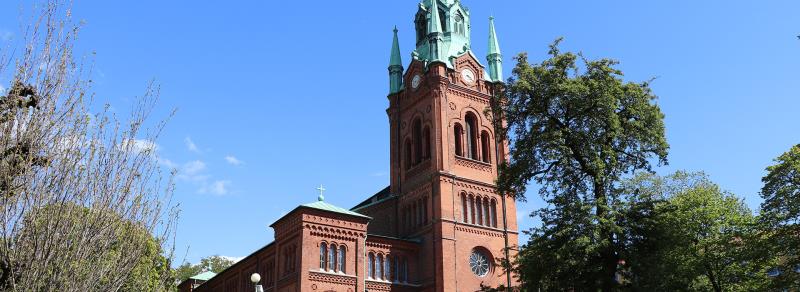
[439,225]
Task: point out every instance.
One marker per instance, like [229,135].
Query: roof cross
[321,190]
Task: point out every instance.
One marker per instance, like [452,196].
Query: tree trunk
[608,258]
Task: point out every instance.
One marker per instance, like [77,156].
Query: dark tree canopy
[780,215]
[576,128]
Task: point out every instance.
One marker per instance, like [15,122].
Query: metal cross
[321,190]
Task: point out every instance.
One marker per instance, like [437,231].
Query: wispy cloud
[232,160]
[218,187]
[234,259]
[138,145]
[191,146]
[6,35]
[378,174]
[196,173]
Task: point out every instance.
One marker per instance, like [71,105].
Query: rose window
[479,263]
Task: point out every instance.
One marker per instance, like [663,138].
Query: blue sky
[274,98]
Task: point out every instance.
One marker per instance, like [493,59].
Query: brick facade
[434,224]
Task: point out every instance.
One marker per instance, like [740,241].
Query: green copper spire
[494,57]
[435,33]
[434,23]
[395,66]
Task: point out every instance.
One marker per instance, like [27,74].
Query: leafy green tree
[780,216]
[692,236]
[144,268]
[215,263]
[576,130]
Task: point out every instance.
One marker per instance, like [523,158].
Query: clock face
[468,75]
[416,81]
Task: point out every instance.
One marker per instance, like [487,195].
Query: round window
[479,263]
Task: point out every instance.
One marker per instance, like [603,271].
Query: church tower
[444,154]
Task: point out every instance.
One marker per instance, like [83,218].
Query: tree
[85,205]
[576,130]
[213,263]
[780,216]
[693,236]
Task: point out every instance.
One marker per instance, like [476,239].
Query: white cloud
[218,187]
[234,259]
[2,89]
[168,163]
[378,174]
[6,35]
[233,160]
[138,145]
[191,146]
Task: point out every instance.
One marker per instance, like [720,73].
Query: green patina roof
[321,205]
[395,59]
[204,276]
[494,46]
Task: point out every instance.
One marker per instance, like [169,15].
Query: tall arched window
[332,258]
[457,130]
[408,154]
[425,210]
[396,274]
[471,209]
[371,266]
[323,255]
[379,267]
[426,143]
[459,24]
[422,27]
[479,207]
[387,269]
[471,131]
[416,138]
[341,262]
[494,213]
[442,20]
[486,219]
[485,148]
[405,270]
[464,214]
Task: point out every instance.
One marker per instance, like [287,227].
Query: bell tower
[444,154]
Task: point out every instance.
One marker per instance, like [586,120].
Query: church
[439,225]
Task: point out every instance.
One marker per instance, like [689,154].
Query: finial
[321,190]
[395,29]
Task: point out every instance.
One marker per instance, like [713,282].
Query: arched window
[396,274]
[426,143]
[425,210]
[371,266]
[341,262]
[422,27]
[442,20]
[459,24]
[479,207]
[405,270]
[387,269]
[464,214]
[471,209]
[416,134]
[408,154]
[486,220]
[323,255]
[494,213]
[471,131]
[379,267]
[457,130]
[332,258]
[485,148]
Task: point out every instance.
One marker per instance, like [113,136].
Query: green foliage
[149,270]
[780,216]
[691,236]
[213,263]
[576,130]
